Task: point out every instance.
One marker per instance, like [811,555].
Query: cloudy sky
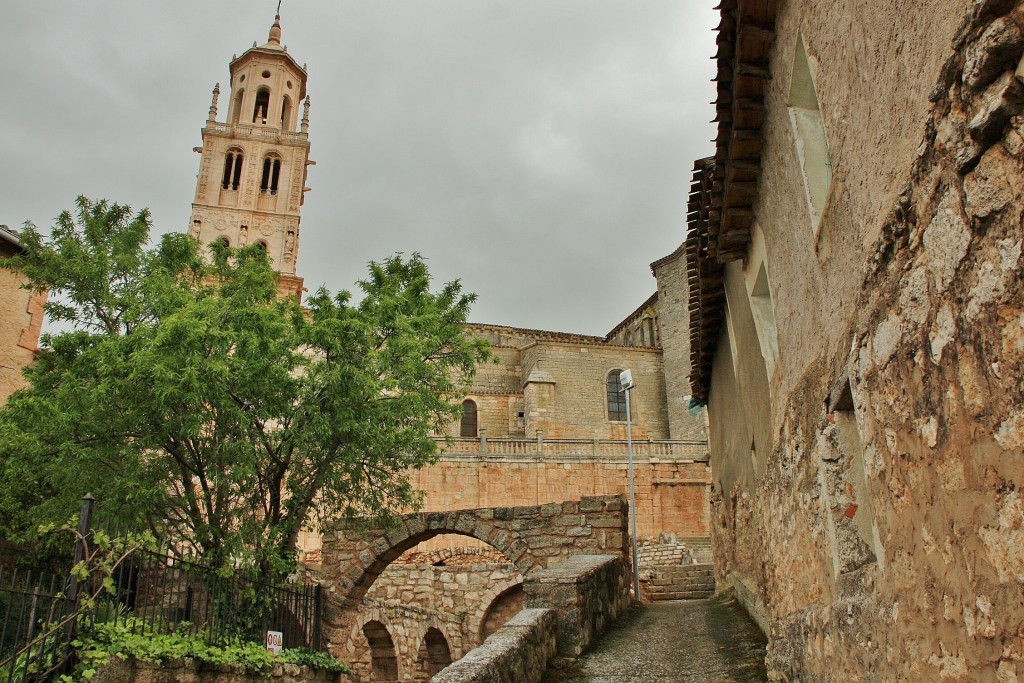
[539,150]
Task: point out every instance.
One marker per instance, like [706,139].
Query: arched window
[262,106]
[232,169]
[434,653]
[382,652]
[286,113]
[467,425]
[262,246]
[616,397]
[271,174]
[236,108]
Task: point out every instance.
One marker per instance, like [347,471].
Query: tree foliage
[189,397]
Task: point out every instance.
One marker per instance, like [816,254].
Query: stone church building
[545,424]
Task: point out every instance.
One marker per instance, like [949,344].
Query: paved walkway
[692,641]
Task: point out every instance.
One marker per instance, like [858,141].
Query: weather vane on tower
[278,8]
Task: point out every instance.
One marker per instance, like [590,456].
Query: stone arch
[370,556]
[434,652]
[382,651]
[440,556]
[475,621]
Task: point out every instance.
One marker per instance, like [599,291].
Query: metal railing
[153,592]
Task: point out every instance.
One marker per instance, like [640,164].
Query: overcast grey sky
[540,150]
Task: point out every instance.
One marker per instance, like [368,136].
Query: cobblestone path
[693,641]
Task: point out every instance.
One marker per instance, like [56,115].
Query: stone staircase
[681,582]
[700,546]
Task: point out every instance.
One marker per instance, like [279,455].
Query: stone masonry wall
[674,319]
[577,405]
[410,598]
[190,671]
[21,318]
[883,538]
[672,493]
[568,606]
[531,538]
[587,591]
[518,653]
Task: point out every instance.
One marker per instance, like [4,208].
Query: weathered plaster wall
[881,537]
[874,63]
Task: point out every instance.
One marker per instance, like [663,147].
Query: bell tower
[252,174]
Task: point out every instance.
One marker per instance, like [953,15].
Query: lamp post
[626,380]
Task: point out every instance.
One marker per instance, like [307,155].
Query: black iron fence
[151,591]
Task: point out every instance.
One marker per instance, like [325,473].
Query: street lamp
[626,380]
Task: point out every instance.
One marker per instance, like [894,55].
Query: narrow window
[286,113]
[763,310]
[237,177]
[229,161]
[232,169]
[809,134]
[616,398]
[651,332]
[259,111]
[236,109]
[467,426]
[645,337]
[265,178]
[271,174]
[275,174]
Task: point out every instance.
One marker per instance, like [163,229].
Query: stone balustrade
[605,449]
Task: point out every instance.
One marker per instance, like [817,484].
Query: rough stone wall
[407,626]
[588,592]
[191,671]
[518,653]
[21,318]
[875,528]
[568,606]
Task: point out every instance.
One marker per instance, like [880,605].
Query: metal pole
[632,498]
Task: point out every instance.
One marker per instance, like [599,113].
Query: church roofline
[268,51]
[634,315]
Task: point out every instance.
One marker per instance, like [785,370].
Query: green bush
[108,640]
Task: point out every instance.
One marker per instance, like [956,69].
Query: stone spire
[305,115]
[275,32]
[213,103]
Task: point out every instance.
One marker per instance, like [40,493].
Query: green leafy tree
[188,396]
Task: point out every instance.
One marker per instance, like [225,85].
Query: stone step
[684,571]
[682,595]
[693,585]
[663,583]
[659,580]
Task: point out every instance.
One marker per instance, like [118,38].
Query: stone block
[998,103]
[997,49]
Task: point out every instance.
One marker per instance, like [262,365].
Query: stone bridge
[437,614]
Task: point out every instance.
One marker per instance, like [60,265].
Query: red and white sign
[275,641]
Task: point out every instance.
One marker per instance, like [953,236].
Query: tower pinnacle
[275,31]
